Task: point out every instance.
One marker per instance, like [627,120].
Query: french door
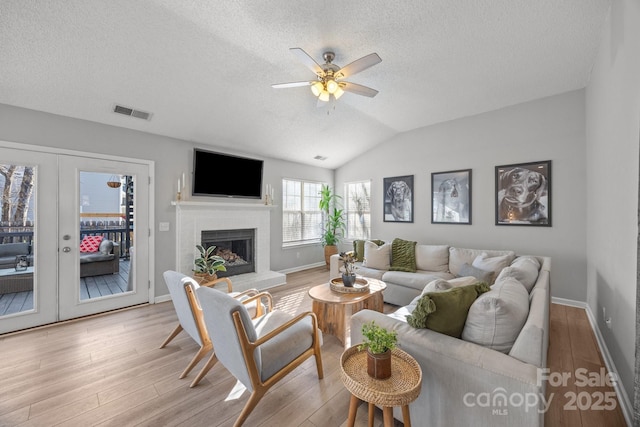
[73,200]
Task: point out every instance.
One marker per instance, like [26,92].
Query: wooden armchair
[259,352]
[190,314]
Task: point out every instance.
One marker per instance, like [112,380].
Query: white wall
[547,129]
[172,157]
[613,117]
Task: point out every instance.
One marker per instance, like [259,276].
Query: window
[301,217]
[358,208]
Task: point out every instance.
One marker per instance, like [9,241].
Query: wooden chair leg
[172,335]
[205,369]
[198,357]
[251,404]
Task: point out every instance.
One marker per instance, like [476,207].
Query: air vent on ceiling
[321,158]
[120,109]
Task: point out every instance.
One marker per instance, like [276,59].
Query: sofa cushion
[496,317]
[90,244]
[432,257]
[378,257]
[492,263]
[478,273]
[403,255]
[459,256]
[417,280]
[95,257]
[358,248]
[526,273]
[446,312]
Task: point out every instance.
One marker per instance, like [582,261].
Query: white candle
[184,181]
[178,185]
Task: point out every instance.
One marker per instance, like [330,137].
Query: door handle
[66,249]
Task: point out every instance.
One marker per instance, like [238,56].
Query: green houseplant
[333,221]
[207,264]
[379,342]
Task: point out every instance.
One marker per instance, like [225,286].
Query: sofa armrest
[459,374]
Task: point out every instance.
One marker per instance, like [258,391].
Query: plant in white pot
[207,264]
[379,342]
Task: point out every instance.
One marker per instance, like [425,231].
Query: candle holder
[178,196]
[267,200]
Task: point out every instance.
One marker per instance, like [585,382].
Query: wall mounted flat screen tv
[224,175]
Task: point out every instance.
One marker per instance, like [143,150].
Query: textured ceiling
[204,68]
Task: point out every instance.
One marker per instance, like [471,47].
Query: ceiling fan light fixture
[338,93]
[324,96]
[317,88]
[332,86]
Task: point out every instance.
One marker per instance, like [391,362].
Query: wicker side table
[402,388]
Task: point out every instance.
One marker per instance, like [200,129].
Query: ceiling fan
[330,77]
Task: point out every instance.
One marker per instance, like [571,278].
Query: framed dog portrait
[451,197]
[398,199]
[523,194]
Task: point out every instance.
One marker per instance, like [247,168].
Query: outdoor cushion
[90,244]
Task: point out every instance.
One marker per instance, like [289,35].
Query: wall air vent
[120,109]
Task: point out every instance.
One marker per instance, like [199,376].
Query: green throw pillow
[403,256]
[358,248]
[446,312]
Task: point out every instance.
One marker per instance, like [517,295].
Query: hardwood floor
[107,370]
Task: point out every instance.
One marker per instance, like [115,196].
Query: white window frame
[356,214]
[305,206]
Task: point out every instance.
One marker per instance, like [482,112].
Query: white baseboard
[623,398]
[162,298]
[305,267]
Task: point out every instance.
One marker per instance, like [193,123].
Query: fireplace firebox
[236,247]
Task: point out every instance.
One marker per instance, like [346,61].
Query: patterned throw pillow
[90,243]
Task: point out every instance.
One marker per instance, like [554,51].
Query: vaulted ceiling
[204,68]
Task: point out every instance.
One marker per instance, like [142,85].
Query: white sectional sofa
[474,379]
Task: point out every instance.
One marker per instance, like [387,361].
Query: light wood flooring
[107,370]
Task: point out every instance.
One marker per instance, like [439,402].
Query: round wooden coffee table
[400,389]
[330,307]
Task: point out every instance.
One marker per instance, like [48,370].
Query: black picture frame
[451,197]
[398,199]
[523,194]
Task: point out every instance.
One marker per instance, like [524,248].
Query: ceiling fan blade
[292,84]
[358,65]
[358,89]
[307,60]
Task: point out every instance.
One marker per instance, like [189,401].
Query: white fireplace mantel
[192,217]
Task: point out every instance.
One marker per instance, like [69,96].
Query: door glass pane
[106,234]
[17,264]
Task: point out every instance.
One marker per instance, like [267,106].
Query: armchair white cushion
[261,351]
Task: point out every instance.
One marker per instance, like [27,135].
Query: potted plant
[379,342]
[349,276]
[207,264]
[333,221]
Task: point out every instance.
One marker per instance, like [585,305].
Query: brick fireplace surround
[194,217]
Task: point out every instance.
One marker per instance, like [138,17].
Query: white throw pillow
[525,272]
[440,285]
[432,257]
[496,318]
[495,264]
[378,257]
